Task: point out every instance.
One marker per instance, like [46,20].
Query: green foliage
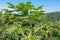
[11,5]
[27,25]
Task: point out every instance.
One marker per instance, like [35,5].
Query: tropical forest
[24,21]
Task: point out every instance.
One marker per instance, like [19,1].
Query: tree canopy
[30,23]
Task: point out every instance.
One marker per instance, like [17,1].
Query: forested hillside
[53,16]
[31,23]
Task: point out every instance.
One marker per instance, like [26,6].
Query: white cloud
[1,7]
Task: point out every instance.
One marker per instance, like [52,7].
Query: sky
[49,5]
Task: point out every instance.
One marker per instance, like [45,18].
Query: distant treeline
[53,16]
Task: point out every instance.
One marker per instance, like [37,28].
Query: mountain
[53,16]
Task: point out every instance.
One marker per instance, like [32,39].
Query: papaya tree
[28,24]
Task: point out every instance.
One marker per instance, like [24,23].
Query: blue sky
[49,5]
